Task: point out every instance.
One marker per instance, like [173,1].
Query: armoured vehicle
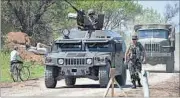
[159,43]
[86,53]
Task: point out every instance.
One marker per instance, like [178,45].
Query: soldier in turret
[135,55]
[92,18]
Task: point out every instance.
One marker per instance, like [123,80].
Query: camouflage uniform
[136,56]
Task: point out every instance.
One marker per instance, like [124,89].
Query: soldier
[135,55]
[92,18]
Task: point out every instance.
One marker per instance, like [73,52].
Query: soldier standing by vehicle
[135,55]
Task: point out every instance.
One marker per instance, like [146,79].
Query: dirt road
[87,87]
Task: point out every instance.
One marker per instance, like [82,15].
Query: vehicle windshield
[101,47]
[153,33]
[67,47]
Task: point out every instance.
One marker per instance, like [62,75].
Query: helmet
[134,37]
[15,48]
[91,12]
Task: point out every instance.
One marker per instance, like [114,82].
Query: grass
[36,70]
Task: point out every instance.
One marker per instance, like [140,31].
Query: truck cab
[159,43]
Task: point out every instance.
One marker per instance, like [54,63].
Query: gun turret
[85,22]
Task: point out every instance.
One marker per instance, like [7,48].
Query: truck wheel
[170,64]
[50,76]
[70,81]
[104,75]
[121,79]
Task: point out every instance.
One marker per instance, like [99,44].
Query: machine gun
[80,15]
[83,21]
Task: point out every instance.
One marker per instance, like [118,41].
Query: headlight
[60,61]
[89,61]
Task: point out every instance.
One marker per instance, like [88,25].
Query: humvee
[81,57]
[87,52]
[159,43]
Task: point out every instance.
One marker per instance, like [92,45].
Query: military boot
[139,83]
[134,85]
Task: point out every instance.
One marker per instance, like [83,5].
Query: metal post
[145,83]
[0,31]
[112,88]
[111,83]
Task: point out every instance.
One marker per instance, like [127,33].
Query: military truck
[87,52]
[159,43]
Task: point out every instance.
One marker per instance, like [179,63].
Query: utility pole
[0,29]
[0,41]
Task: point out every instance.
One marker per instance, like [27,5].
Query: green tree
[149,15]
[171,11]
[116,12]
[44,18]
[28,17]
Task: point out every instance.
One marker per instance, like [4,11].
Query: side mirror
[172,34]
[172,38]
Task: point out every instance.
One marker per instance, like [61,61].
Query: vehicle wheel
[70,81]
[24,73]
[15,73]
[104,75]
[50,76]
[121,79]
[170,64]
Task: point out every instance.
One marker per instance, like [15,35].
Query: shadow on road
[89,86]
[127,86]
[81,86]
[160,71]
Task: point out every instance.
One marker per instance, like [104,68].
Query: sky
[160,7]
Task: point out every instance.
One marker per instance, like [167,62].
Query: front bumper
[75,71]
[158,54]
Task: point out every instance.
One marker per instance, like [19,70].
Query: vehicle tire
[50,76]
[70,81]
[121,79]
[170,64]
[15,73]
[24,73]
[104,75]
